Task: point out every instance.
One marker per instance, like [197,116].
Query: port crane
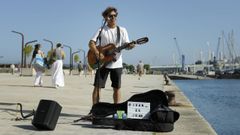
[181,55]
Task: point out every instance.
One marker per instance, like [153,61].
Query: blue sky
[73,22]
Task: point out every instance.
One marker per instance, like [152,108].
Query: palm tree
[76,58]
[27,51]
[147,67]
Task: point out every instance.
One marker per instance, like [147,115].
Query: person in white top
[140,69]
[12,66]
[110,34]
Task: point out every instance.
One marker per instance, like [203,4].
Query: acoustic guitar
[109,51]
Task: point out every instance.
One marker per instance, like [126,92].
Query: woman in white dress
[57,67]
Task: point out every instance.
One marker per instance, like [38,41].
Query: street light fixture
[22,45]
[70,63]
[25,52]
[49,42]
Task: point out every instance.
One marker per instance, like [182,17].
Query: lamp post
[49,42]
[70,63]
[22,45]
[84,61]
[33,41]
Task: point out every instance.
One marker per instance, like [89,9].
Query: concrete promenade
[75,98]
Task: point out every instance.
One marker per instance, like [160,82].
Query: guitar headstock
[142,40]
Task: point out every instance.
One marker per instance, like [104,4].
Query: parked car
[236,72]
[201,73]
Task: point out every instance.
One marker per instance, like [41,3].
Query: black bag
[160,119]
[164,114]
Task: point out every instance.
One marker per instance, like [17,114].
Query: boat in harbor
[228,74]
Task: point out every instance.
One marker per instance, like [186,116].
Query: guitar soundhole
[108,53]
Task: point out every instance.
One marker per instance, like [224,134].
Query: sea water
[218,101]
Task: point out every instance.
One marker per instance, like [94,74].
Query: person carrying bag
[38,65]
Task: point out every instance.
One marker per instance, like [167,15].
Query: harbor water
[218,101]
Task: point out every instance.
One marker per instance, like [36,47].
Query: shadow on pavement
[90,125]
[26,127]
[31,86]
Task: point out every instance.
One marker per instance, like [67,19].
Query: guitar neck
[118,49]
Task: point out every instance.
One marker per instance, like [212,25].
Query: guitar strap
[118,35]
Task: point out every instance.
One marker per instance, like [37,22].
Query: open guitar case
[160,118]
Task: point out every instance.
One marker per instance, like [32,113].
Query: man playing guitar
[109,34]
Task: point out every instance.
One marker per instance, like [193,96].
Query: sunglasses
[111,16]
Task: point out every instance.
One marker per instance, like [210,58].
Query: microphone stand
[98,61]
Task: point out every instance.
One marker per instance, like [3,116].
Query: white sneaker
[56,86]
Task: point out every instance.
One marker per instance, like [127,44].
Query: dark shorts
[102,75]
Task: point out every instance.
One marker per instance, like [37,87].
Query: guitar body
[109,53]
[106,51]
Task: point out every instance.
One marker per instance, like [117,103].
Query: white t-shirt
[109,35]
